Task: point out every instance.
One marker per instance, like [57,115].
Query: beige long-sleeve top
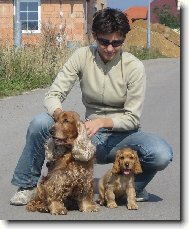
[113,90]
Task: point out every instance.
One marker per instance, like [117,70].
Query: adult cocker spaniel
[69,182]
[119,181]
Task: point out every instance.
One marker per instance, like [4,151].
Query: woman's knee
[160,156]
[154,152]
[40,123]
[164,156]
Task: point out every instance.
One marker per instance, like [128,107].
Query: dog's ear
[82,131]
[76,116]
[80,126]
[137,166]
[116,166]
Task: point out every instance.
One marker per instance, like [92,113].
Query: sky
[125,4]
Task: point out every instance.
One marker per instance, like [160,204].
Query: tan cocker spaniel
[69,182]
[119,181]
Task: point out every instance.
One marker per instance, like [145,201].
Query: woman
[113,89]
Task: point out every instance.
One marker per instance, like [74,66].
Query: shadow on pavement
[152,197]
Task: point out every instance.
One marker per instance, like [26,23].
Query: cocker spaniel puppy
[119,181]
[69,182]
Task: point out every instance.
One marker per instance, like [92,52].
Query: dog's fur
[83,149]
[119,181]
[69,181]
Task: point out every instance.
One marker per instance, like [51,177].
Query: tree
[166,17]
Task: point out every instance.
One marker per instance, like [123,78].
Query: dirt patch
[163,38]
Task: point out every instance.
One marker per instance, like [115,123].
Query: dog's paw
[95,208]
[132,206]
[43,209]
[112,205]
[33,206]
[60,211]
[91,208]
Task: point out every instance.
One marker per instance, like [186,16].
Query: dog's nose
[52,130]
[127,164]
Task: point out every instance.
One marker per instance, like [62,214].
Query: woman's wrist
[56,113]
[106,123]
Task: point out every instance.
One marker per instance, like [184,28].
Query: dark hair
[109,20]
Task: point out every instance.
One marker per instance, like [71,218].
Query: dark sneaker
[142,196]
[22,196]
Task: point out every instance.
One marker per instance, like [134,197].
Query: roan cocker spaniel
[119,181]
[69,182]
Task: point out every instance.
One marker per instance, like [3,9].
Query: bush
[166,17]
[36,66]
[32,66]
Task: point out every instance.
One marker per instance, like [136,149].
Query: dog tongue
[126,172]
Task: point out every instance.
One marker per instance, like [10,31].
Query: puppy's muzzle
[52,131]
[126,165]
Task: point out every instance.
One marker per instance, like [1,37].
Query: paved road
[161,115]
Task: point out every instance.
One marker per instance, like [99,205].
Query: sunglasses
[114,43]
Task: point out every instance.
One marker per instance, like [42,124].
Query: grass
[27,69]
[36,66]
[145,53]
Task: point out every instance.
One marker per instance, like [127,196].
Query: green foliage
[36,66]
[30,67]
[166,17]
[23,70]
[145,53]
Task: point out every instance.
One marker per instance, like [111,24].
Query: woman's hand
[94,125]
[56,114]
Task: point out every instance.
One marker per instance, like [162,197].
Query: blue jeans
[154,153]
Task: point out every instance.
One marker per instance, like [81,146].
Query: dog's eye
[131,157]
[122,158]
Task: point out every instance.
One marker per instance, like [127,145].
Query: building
[71,19]
[136,12]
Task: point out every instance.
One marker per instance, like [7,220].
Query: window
[30,16]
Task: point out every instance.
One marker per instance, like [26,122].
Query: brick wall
[66,17]
[66,14]
[72,18]
[6,21]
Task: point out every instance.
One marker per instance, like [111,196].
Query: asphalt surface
[161,115]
